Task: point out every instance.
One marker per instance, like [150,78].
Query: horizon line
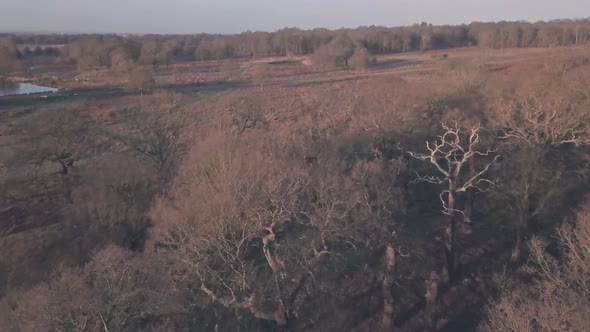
[16,32]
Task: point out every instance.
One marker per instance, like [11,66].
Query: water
[13,89]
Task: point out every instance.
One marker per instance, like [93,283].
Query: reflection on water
[12,89]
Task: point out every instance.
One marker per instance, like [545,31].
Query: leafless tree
[530,130]
[157,134]
[545,124]
[260,74]
[379,202]
[141,79]
[245,116]
[450,154]
[117,291]
[557,299]
[222,251]
[361,59]
[64,138]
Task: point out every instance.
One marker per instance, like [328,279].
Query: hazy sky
[229,16]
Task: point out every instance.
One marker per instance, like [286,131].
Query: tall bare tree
[530,130]
[450,154]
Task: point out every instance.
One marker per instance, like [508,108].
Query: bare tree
[224,251]
[117,291]
[530,187]
[141,79]
[336,53]
[450,154]
[64,138]
[558,298]
[245,116]
[260,74]
[158,135]
[361,59]
[531,130]
[378,204]
[544,123]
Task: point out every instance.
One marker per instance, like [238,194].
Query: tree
[246,115]
[450,153]
[276,241]
[260,74]
[121,60]
[232,249]
[155,54]
[336,53]
[361,59]
[157,134]
[558,298]
[141,79]
[64,138]
[531,130]
[116,291]
[376,188]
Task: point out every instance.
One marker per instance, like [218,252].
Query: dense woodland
[107,50]
[452,202]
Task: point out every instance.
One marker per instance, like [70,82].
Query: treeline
[376,39]
[120,50]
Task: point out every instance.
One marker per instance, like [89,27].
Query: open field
[197,201]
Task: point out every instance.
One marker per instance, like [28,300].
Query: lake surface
[13,89]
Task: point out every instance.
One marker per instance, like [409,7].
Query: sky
[233,16]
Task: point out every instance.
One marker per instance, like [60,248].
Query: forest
[421,178]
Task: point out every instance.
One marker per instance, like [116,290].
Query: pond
[13,89]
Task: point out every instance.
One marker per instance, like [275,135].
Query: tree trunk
[516,250]
[65,169]
[388,298]
[280,313]
[521,230]
[449,242]
[431,297]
